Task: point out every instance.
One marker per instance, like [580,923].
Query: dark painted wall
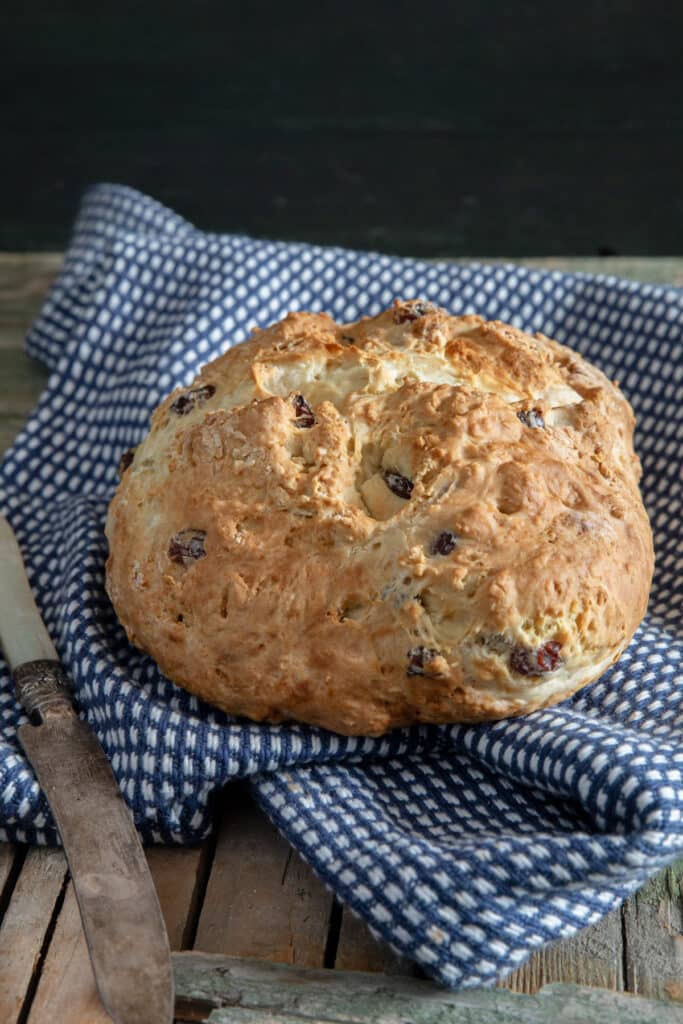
[471,128]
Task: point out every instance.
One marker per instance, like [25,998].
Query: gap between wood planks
[45,973]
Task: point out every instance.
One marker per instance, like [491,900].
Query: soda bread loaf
[413,518]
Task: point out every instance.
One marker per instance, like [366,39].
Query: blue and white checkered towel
[466,847]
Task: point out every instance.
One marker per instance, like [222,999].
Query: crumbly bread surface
[413,518]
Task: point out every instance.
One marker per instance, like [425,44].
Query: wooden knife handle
[43,689]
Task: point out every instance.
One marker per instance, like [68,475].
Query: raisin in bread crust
[413,518]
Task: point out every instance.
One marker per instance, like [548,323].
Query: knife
[120,912]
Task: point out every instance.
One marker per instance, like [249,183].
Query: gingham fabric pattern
[465,847]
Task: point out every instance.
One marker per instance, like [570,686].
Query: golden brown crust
[446,525]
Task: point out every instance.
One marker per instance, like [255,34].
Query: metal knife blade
[120,912]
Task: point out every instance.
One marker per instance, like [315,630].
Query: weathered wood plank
[24,281]
[262,900]
[21,381]
[11,337]
[67,990]
[9,428]
[653,936]
[594,957]
[359,950]
[652,270]
[25,926]
[240,1015]
[279,993]
[9,855]
[176,873]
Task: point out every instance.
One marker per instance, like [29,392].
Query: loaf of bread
[413,518]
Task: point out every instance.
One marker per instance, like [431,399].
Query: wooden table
[245,894]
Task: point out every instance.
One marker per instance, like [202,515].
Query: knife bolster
[42,689]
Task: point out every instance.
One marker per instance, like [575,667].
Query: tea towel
[465,847]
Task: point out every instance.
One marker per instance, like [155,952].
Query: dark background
[475,128]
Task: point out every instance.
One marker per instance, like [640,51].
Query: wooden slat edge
[66,990]
[359,950]
[24,282]
[27,928]
[653,936]
[262,899]
[280,992]
[11,859]
[595,955]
